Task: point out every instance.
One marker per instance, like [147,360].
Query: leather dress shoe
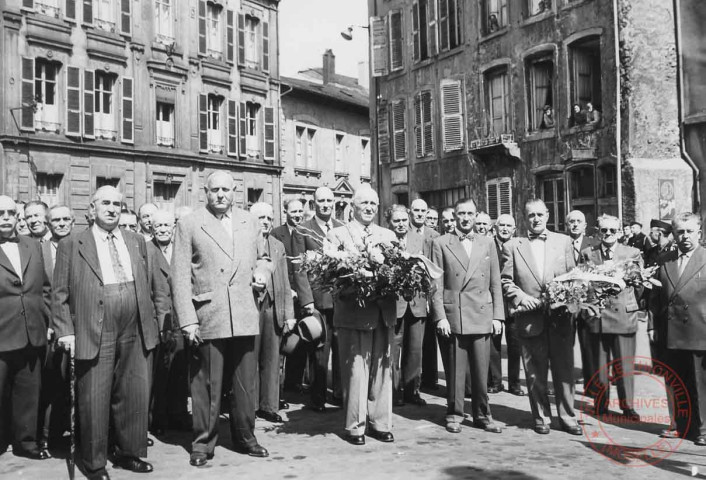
[488,426]
[416,400]
[631,415]
[356,439]
[669,433]
[283,405]
[133,464]
[572,429]
[453,427]
[381,436]
[318,408]
[516,391]
[269,416]
[32,454]
[700,441]
[101,474]
[256,450]
[198,459]
[542,429]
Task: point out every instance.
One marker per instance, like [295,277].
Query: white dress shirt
[12,250]
[324,226]
[538,252]
[103,248]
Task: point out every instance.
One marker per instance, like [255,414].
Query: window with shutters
[399,131]
[420,29]
[46,116]
[214,31]
[452,122]
[585,71]
[536,7]
[383,132]
[551,191]
[365,157]
[608,181]
[253,138]
[164,21]
[105,15]
[252,49]
[104,107]
[164,126]
[214,132]
[396,40]
[49,188]
[339,152]
[494,15]
[498,195]
[423,124]
[497,102]
[540,92]
[450,24]
[305,147]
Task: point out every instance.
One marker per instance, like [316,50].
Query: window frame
[507,118]
[502,15]
[215,36]
[102,120]
[501,208]
[47,119]
[164,27]
[535,109]
[215,115]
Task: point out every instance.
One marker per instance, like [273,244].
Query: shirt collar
[321,223]
[103,234]
[221,216]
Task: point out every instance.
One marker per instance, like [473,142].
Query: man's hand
[309,309]
[529,303]
[67,342]
[192,334]
[50,334]
[651,336]
[443,327]
[294,294]
[497,327]
[168,340]
[289,325]
[259,281]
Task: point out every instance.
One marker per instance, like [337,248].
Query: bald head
[219,191]
[323,203]
[8,216]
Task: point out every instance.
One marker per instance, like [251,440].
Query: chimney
[329,69]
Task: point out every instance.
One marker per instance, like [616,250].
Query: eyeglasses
[611,230]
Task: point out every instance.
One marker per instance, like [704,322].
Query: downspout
[696,203]
[618,116]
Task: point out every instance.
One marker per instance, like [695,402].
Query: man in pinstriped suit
[102,308]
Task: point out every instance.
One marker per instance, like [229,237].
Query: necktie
[120,276]
[683,260]
[536,236]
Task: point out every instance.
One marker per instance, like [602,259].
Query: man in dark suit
[529,263]
[611,337]
[411,315]
[276,317]
[679,309]
[661,242]
[638,239]
[102,309]
[216,252]
[309,236]
[467,306]
[24,315]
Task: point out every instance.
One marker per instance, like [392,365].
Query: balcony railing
[165,39]
[217,54]
[166,141]
[215,148]
[106,134]
[106,25]
[47,126]
[492,140]
[49,10]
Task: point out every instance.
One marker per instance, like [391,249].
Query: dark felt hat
[667,227]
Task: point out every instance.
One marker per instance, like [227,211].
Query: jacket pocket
[202,297]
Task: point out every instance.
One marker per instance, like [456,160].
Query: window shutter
[491,195]
[383,133]
[125,26]
[202,27]
[241,42]
[87,11]
[265,47]
[28,95]
[415,31]
[71,9]
[396,39]
[428,121]
[243,129]
[398,130]
[73,101]
[418,130]
[28,4]
[203,123]
[432,34]
[378,47]
[232,128]
[505,196]
[128,113]
[452,115]
[443,25]
[88,103]
[230,36]
[269,133]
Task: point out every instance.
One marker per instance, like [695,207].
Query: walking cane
[71,459]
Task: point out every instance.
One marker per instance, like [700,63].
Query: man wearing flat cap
[661,241]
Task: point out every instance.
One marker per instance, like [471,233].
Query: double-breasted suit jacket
[78,292]
[469,293]
[283,234]
[212,273]
[418,245]
[159,269]
[278,287]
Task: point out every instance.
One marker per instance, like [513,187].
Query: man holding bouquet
[529,263]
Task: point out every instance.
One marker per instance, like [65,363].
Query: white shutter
[399,143]
[418,130]
[378,46]
[452,114]
[383,134]
[428,121]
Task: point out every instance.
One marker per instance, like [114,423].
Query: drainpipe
[618,116]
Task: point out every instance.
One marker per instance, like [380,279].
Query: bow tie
[14,239]
[537,236]
[469,236]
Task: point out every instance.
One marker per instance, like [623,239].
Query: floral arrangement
[368,272]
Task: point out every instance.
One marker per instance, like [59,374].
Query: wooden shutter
[418,130]
[88,103]
[265,47]
[242,124]
[505,195]
[125,25]
[202,27]
[452,115]
[232,149]
[432,33]
[415,31]
[87,11]
[399,143]
[28,4]
[128,111]
[396,39]
[383,133]
[443,25]
[428,121]
[241,41]
[73,101]
[70,9]
[203,123]
[378,46]
[269,133]
[230,36]
[28,95]
[491,195]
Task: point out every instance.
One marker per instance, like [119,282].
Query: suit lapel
[473,262]
[214,229]
[456,248]
[25,255]
[526,253]
[88,251]
[5,263]
[693,266]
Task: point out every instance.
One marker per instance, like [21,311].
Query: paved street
[309,446]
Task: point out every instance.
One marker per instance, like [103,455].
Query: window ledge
[399,73]
[423,63]
[569,4]
[307,172]
[584,128]
[537,18]
[340,175]
[172,50]
[450,53]
[540,134]
[490,36]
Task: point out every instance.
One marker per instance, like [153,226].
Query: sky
[309,27]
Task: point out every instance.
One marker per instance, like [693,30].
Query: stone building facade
[473,98]
[147,96]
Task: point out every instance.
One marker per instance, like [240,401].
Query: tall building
[326,135]
[474,98]
[147,96]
